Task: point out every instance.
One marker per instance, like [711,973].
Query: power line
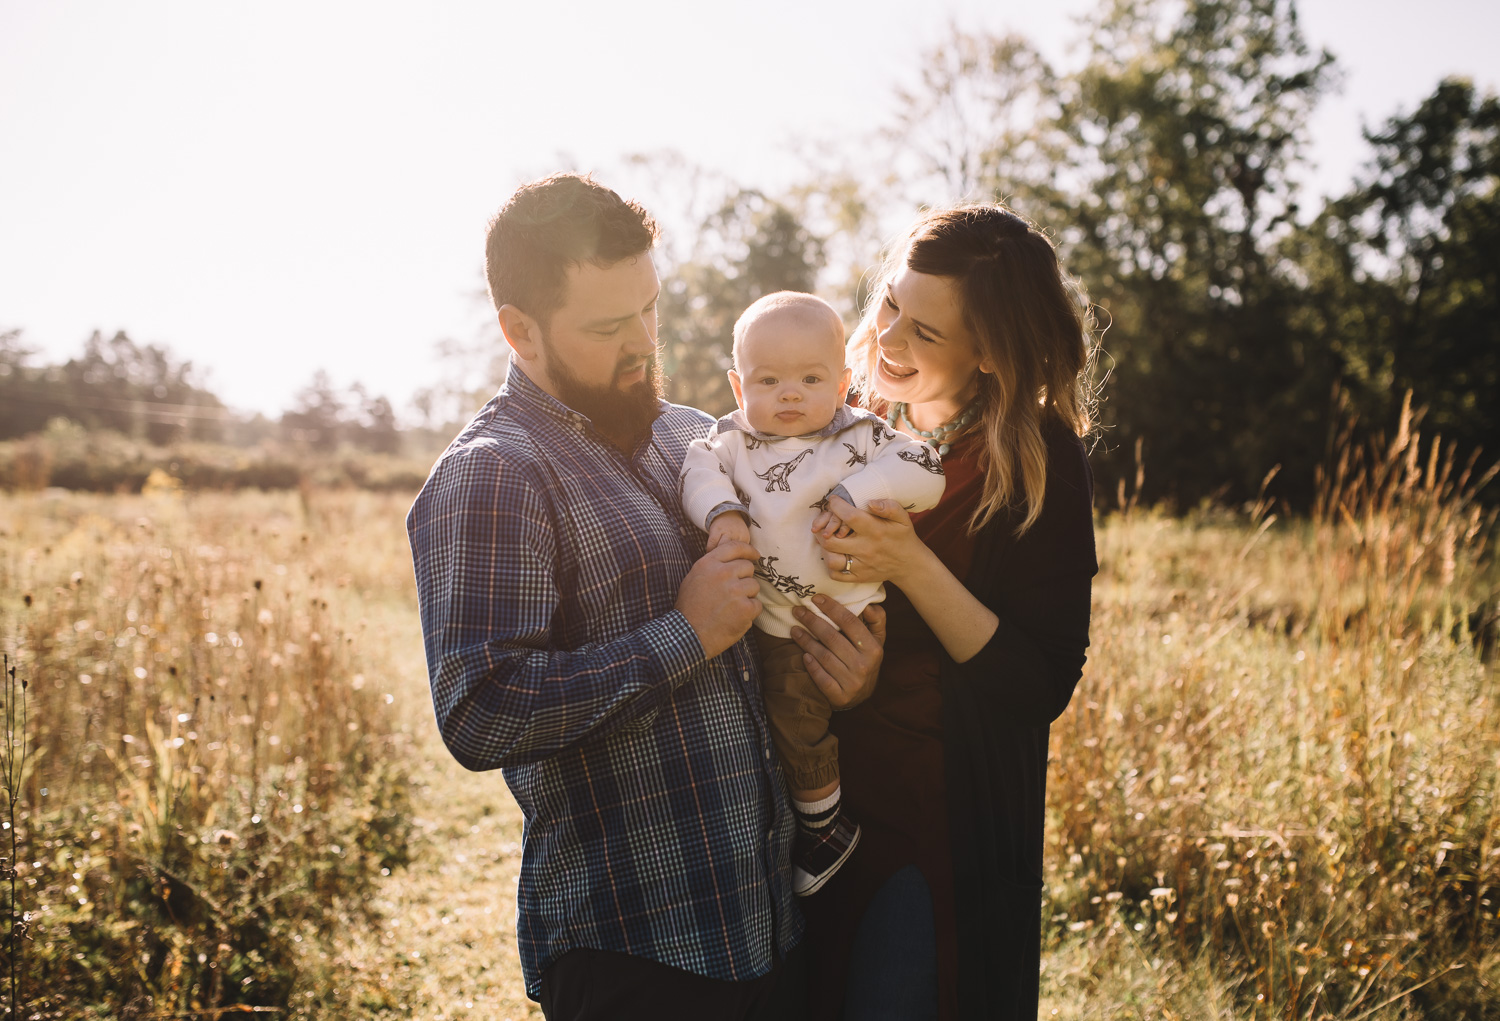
[159,408]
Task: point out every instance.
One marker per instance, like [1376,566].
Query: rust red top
[891,764]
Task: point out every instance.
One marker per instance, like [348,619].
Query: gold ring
[848,564]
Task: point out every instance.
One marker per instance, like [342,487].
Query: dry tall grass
[1275,794]
[213,775]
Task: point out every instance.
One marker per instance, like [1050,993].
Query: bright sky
[273,188]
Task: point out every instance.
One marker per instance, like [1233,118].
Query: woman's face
[925,353]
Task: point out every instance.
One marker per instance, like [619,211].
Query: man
[579,639]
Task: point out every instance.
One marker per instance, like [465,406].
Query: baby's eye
[811,380]
[768,381]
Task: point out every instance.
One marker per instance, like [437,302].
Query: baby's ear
[734,384]
[844,381]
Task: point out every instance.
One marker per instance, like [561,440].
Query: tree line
[145,392]
[1240,329]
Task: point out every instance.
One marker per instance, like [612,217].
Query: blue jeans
[893,967]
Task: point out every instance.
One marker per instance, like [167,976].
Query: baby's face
[790,377]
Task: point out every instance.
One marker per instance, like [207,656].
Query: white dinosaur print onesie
[783,482]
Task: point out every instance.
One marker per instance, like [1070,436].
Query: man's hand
[718,596]
[844,660]
[731,526]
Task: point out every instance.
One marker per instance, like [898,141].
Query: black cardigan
[997,708]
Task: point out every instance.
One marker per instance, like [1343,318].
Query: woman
[974,342]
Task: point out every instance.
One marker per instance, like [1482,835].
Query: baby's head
[789,375]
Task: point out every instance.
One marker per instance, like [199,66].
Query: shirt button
[744,675]
[768,754]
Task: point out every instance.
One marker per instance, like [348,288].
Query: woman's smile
[895,370]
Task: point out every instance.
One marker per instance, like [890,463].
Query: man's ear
[844,382]
[734,384]
[522,332]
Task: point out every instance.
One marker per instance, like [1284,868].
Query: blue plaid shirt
[547,564]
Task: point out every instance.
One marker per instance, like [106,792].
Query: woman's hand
[843,657]
[883,545]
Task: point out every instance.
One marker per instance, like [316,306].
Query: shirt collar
[521,387]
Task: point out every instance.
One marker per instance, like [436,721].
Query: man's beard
[624,417]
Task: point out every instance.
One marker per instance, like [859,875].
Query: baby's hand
[840,527]
[829,525]
[731,526]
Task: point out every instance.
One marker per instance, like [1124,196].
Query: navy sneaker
[816,857]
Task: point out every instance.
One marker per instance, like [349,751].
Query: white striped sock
[817,815]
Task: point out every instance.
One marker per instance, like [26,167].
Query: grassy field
[1273,795]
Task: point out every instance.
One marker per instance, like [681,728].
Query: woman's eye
[890,304]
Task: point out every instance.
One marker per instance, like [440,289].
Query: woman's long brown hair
[1030,324]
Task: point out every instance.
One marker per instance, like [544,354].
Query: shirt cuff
[723,508]
[842,493]
[671,641]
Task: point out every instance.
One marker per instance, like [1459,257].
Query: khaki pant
[798,714]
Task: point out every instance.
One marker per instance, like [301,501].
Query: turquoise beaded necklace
[940,436]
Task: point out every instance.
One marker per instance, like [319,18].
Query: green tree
[1165,169]
[1422,229]
[981,122]
[372,424]
[140,390]
[759,246]
[18,414]
[317,416]
[1184,136]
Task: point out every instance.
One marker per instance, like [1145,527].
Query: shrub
[68,457]
[1286,752]
[214,781]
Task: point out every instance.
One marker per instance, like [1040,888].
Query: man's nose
[640,341]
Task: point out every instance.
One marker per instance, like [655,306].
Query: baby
[761,476]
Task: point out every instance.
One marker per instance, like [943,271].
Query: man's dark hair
[548,225]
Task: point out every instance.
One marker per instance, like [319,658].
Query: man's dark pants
[585,985]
